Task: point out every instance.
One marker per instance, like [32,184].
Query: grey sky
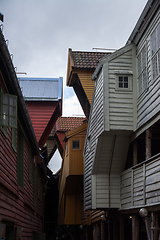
[41,31]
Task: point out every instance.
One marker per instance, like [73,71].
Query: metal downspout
[114,141]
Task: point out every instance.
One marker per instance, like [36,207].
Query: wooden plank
[152,179]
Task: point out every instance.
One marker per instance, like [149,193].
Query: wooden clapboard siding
[96,121]
[120,102]
[140,185]
[148,102]
[86,82]
[72,175]
[8,168]
[112,120]
[17,202]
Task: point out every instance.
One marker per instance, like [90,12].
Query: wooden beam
[154,225]
[121,227]
[148,143]
[135,152]
[135,227]
[102,230]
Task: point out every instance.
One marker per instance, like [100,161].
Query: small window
[75,145]
[123,82]
[8,110]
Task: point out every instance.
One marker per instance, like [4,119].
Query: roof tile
[68,123]
[87,59]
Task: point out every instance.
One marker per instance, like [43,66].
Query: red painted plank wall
[40,114]
[16,204]
[61,137]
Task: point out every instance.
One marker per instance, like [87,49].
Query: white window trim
[128,74]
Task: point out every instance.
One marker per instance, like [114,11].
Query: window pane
[153,43]
[159,61]
[4,119]
[158,36]
[12,101]
[5,99]
[144,76]
[125,82]
[139,64]
[12,111]
[5,109]
[12,121]
[143,58]
[120,82]
[140,84]
[154,65]
[75,144]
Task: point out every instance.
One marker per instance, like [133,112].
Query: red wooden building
[43,97]
[22,178]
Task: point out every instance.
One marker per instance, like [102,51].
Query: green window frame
[4,130]
[14,144]
[8,110]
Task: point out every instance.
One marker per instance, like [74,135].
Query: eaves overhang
[145,18]
[13,86]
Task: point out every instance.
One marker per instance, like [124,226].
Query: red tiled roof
[68,123]
[87,59]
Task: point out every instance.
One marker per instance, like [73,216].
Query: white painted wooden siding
[95,128]
[121,102]
[148,101]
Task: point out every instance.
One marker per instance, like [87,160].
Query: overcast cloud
[40,32]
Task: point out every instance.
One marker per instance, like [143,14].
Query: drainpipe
[114,141]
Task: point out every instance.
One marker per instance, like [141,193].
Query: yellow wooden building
[81,66]
[71,178]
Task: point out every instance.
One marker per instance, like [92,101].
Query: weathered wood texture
[148,101]
[72,175]
[140,185]
[97,127]
[111,116]
[119,108]
[86,82]
[16,202]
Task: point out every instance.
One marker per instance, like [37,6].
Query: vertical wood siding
[40,114]
[148,101]
[87,83]
[96,122]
